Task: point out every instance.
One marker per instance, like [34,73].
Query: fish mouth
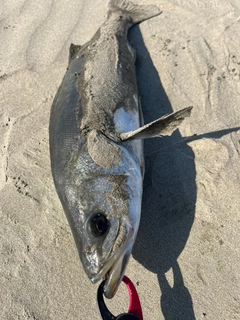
[115,274]
[113,270]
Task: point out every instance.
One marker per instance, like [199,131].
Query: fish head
[111,214]
[105,214]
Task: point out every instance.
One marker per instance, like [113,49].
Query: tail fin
[134,12]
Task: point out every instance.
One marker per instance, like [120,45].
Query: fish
[96,133]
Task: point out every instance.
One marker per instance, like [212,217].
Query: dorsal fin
[163,126]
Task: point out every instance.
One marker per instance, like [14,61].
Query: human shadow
[169,195]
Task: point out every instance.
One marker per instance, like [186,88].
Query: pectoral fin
[163,126]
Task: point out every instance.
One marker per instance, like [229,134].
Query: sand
[186,259]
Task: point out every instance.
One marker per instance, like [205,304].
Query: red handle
[134,305]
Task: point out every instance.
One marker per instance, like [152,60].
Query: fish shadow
[169,194]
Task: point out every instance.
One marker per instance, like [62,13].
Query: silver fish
[96,131]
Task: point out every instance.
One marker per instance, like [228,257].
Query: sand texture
[186,258]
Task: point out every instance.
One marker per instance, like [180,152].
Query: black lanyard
[134,311]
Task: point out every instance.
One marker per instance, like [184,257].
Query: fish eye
[98,224]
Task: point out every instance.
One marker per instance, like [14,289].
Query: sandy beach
[186,259]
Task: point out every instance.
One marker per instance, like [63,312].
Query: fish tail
[133,12]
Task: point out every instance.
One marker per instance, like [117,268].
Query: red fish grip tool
[134,310]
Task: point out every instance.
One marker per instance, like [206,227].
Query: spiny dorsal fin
[163,126]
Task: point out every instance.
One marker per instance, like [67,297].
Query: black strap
[105,313]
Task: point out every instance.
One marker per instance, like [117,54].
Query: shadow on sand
[169,194]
